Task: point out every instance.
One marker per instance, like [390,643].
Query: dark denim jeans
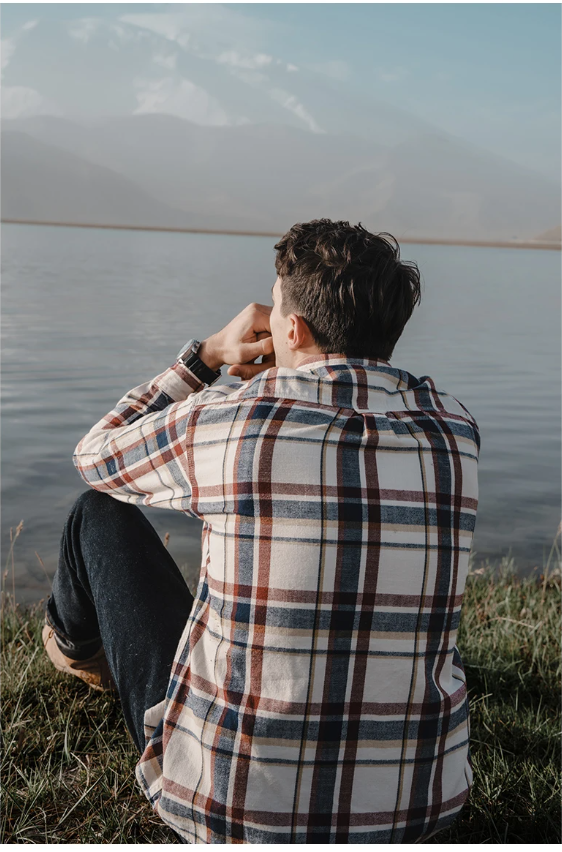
[117,585]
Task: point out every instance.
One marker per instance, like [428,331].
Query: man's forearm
[112,450]
[125,453]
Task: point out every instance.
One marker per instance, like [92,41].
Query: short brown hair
[350,286]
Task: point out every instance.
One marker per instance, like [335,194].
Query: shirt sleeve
[140,451]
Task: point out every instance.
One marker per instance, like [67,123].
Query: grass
[510,643]
[68,763]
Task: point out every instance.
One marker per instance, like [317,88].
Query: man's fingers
[259,317]
[246,337]
[247,371]
[250,351]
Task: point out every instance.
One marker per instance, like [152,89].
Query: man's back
[317,694]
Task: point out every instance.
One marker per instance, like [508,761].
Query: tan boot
[95,670]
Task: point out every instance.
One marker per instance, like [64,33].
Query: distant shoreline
[524,244]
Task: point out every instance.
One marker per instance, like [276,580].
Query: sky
[487,73]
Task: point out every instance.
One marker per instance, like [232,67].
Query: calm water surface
[89,314]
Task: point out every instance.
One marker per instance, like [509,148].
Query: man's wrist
[209,353]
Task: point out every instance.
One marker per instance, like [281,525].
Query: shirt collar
[313,362]
[361,383]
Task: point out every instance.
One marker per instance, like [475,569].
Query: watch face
[190,347]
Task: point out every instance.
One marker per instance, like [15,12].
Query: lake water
[89,314]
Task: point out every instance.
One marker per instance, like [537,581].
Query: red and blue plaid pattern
[317,695]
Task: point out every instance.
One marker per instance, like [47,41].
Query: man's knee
[92,501]
[97,516]
[97,507]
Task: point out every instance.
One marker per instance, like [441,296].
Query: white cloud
[179,97]
[20,102]
[291,67]
[232,57]
[170,26]
[335,68]
[208,29]
[83,29]
[8,48]
[291,103]
[8,45]
[165,60]
[126,34]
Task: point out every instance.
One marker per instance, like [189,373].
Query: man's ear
[298,336]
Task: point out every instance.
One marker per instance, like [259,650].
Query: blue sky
[489,73]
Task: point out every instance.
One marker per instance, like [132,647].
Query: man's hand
[248,371]
[241,342]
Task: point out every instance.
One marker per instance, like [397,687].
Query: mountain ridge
[266,176]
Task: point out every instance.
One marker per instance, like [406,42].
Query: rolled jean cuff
[80,649]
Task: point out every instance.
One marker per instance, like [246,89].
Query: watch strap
[193,362]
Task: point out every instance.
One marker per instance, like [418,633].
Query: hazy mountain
[266,143]
[235,176]
[553,235]
[456,190]
[42,182]
[267,176]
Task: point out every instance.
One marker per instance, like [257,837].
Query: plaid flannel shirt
[317,695]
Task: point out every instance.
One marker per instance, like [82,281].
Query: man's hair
[350,286]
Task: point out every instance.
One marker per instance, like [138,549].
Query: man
[311,692]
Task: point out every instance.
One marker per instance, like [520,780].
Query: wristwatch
[190,359]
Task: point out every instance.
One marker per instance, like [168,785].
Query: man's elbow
[92,468]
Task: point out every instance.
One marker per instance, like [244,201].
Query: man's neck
[306,354]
